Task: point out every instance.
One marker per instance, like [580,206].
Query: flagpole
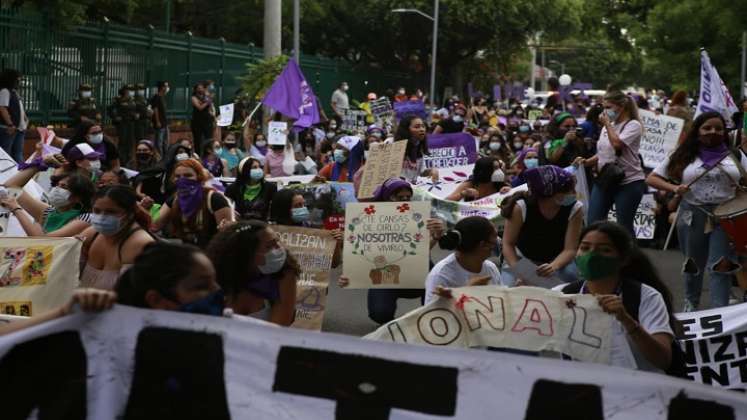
[259,104]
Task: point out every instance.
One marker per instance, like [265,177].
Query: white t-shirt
[449,273]
[715,187]
[653,317]
[5,101]
[340,100]
[630,134]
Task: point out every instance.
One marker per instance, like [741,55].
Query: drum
[732,216]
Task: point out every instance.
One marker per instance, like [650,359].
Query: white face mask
[344,88]
[181,156]
[457,118]
[58,197]
[85,94]
[141,93]
[167,90]
[274,261]
[95,165]
[96,138]
[129,93]
[261,143]
[498,176]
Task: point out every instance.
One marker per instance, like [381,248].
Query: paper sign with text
[644,222]
[522,318]
[313,250]
[449,150]
[384,162]
[37,274]
[225,118]
[660,136]
[277,133]
[386,245]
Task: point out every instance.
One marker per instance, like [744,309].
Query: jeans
[626,199]
[12,143]
[567,274]
[382,303]
[704,251]
[162,140]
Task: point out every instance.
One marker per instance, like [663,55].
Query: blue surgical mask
[274,261]
[531,163]
[212,304]
[339,156]
[256,174]
[106,224]
[612,114]
[300,214]
[568,200]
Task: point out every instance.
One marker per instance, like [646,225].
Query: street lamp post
[434,19]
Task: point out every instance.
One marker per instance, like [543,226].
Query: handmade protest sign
[644,222]
[715,345]
[225,118]
[384,162]
[313,250]
[124,362]
[326,202]
[37,274]
[523,318]
[660,136]
[381,108]
[353,120]
[449,150]
[386,245]
[277,133]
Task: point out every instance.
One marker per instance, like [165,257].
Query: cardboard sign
[326,202]
[313,250]
[660,136]
[277,133]
[381,108]
[644,222]
[384,162]
[450,150]
[225,118]
[386,245]
[37,274]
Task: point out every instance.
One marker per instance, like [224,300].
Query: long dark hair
[9,79]
[686,152]
[483,171]
[81,133]
[467,234]
[280,207]
[636,265]
[508,204]
[553,127]
[125,197]
[161,266]
[403,133]
[81,187]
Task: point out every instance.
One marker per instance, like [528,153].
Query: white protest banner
[454,211]
[715,346]
[644,222]
[660,136]
[282,181]
[8,168]
[129,363]
[313,250]
[37,274]
[523,318]
[448,180]
[386,245]
[384,162]
[225,118]
[714,95]
[277,133]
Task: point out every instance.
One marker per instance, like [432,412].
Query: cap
[84,86]
[82,151]
[371,96]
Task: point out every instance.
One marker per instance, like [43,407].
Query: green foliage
[260,75]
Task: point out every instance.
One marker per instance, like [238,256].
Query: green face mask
[592,266]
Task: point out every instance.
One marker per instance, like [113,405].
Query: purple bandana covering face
[711,156]
[189,192]
[546,181]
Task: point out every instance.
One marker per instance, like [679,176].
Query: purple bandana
[389,187]
[711,156]
[547,180]
[189,192]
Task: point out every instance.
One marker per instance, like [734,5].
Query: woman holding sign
[704,173]
[412,129]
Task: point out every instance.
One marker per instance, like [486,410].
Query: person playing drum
[705,174]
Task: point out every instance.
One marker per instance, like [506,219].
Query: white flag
[714,96]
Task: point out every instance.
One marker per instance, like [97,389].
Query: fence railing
[106,55]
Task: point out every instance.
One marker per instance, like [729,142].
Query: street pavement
[347,310]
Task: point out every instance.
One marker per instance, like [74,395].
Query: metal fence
[107,56]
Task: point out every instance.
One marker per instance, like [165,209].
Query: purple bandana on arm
[711,156]
[189,192]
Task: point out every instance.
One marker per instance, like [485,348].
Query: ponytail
[467,234]
[450,240]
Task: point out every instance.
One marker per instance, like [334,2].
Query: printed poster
[225,118]
[277,133]
[313,250]
[644,222]
[386,245]
[384,162]
[660,136]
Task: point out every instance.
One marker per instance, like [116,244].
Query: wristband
[38,163]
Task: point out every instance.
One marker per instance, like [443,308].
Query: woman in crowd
[194,213]
[257,274]
[348,154]
[67,213]
[13,118]
[257,146]
[146,156]
[93,135]
[627,286]
[563,146]
[679,108]
[82,159]
[157,182]
[543,226]
[412,129]
[591,126]
[703,241]
[117,235]
[213,163]
[275,162]
[621,178]
[487,179]
[473,239]
[189,148]
[374,134]
[498,149]
[230,153]
[288,207]
[527,159]
[109,178]
[202,118]
[251,193]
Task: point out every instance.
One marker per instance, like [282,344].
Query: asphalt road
[347,311]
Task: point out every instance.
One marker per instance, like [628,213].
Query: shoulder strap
[631,296]
[209,201]
[573,288]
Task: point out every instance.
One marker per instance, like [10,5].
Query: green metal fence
[106,55]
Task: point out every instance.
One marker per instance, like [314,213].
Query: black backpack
[631,292]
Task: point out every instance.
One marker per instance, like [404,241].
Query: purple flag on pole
[292,96]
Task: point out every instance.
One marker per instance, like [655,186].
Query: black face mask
[143,156]
[230,145]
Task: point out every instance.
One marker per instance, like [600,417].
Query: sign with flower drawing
[386,245]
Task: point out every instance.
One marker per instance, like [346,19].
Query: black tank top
[540,239]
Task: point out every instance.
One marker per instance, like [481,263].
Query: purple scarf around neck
[711,156]
[189,192]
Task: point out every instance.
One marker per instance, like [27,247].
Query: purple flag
[292,96]
[449,150]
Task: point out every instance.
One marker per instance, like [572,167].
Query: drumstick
[706,171]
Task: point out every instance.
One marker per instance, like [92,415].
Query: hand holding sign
[277,134]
